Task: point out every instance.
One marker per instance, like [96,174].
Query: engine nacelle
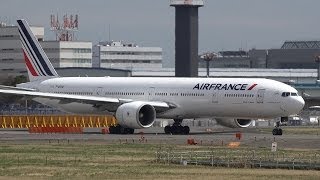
[234,123]
[136,115]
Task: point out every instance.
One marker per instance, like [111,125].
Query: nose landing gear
[277,130]
[177,128]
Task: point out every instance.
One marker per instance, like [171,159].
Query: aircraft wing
[16,88]
[108,103]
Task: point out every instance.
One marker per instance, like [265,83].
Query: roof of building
[233,53]
[301,45]
[94,68]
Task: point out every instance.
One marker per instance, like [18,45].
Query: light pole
[26,105]
[317,60]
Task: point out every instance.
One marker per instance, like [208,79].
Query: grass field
[99,160]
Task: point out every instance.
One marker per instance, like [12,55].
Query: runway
[251,137]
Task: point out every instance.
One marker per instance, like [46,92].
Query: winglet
[38,65]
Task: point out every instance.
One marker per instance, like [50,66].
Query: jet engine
[233,122]
[136,115]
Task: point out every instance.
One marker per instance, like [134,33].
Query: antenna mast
[66,29]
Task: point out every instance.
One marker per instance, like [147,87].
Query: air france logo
[236,87]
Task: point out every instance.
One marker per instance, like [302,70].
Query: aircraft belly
[190,110]
[252,110]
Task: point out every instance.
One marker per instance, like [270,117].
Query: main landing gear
[277,130]
[177,128]
[120,130]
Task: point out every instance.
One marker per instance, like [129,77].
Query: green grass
[98,160]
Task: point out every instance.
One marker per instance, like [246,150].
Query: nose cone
[293,105]
[297,105]
[300,102]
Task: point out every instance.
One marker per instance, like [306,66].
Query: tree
[12,81]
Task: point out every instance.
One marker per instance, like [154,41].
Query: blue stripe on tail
[33,59]
[35,49]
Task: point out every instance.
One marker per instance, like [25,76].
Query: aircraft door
[99,91]
[260,95]
[215,97]
[150,93]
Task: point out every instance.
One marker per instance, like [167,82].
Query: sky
[223,24]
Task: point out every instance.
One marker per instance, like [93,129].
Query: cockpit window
[286,94]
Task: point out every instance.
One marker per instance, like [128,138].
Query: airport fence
[242,159]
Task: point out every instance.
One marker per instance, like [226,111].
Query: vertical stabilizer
[38,65]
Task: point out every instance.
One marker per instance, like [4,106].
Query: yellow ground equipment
[56,123]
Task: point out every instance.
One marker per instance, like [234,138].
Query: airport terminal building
[294,55]
[291,55]
[116,54]
[254,58]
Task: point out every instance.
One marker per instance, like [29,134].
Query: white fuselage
[193,97]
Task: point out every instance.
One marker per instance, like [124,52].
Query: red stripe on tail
[29,65]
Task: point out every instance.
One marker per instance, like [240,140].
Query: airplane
[137,101]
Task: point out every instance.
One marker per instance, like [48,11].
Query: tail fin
[38,65]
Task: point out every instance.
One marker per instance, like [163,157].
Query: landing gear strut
[177,128]
[120,130]
[277,130]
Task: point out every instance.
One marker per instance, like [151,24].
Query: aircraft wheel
[177,129]
[186,130]
[114,130]
[121,130]
[127,131]
[131,131]
[111,130]
[167,129]
[180,130]
[275,131]
[174,129]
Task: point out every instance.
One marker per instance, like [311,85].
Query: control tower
[186,32]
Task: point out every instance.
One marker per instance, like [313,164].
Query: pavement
[201,135]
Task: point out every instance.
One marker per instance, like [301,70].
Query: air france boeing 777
[137,101]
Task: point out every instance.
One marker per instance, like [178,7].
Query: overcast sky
[223,24]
